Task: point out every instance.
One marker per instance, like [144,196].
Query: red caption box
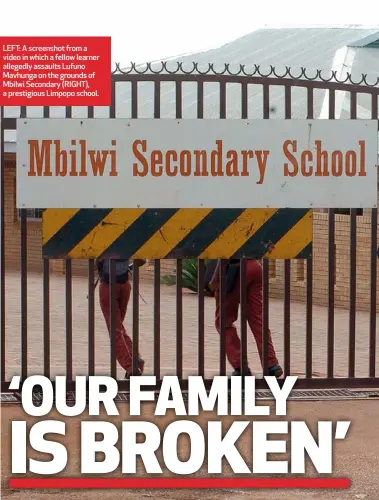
[55,71]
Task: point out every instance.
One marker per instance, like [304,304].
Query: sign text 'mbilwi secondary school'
[196,163]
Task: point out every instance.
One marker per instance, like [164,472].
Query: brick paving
[168,332]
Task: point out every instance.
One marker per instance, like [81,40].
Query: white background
[149,29]
[126,191]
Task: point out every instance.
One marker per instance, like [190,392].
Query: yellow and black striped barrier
[134,233]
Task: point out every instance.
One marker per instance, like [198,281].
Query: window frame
[347,211]
[31,217]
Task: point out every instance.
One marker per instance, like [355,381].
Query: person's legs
[123,342]
[123,297]
[254,311]
[232,341]
[104,301]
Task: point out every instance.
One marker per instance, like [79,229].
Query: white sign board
[150,163]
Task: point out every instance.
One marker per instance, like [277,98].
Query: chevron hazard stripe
[177,233]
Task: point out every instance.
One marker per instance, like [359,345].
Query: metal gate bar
[330,381]
[2,244]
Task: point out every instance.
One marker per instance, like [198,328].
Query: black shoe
[128,375]
[141,364]
[275,371]
[237,373]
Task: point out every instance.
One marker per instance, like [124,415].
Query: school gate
[275,91]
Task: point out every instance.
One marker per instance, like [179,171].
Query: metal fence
[179,76]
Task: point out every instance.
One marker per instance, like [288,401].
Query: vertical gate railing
[177,78]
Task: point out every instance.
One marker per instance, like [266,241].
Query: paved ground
[168,332]
[356,457]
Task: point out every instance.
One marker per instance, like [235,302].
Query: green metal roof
[373,45]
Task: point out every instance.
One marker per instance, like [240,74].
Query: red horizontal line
[179,483]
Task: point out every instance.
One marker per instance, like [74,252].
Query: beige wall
[12,228]
[320,264]
[298,268]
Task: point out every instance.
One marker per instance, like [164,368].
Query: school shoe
[275,371]
[238,373]
[141,364]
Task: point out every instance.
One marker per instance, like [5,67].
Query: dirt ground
[356,457]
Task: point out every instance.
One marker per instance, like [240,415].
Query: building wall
[320,265]
[298,268]
[12,228]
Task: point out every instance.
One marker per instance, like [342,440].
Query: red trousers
[253,316]
[124,349]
